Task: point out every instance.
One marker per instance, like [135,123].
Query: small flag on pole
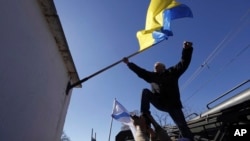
[159,15]
[121,114]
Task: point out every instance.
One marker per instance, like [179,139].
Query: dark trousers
[176,114]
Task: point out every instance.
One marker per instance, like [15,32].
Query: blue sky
[100,33]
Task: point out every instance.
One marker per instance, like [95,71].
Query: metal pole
[70,86]
[110,128]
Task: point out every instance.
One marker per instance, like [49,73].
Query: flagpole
[91,135]
[110,129]
[70,86]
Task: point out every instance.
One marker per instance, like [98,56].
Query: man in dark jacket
[165,94]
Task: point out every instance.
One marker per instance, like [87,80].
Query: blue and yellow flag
[159,15]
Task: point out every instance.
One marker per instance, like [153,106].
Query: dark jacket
[165,85]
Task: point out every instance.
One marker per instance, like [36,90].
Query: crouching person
[146,133]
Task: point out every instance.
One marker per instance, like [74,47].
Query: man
[165,94]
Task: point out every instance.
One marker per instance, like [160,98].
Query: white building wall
[33,76]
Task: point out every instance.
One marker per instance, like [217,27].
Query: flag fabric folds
[159,15]
[121,114]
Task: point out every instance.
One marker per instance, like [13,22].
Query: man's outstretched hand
[187,44]
[125,60]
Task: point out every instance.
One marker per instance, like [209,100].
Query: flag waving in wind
[159,15]
[121,114]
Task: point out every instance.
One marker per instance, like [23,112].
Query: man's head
[159,67]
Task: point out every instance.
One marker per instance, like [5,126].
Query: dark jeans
[176,114]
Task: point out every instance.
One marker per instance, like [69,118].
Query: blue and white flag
[121,114]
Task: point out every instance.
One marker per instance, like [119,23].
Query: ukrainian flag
[159,15]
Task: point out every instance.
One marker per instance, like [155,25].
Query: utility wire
[220,70]
[229,37]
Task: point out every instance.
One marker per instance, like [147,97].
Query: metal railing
[243,83]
